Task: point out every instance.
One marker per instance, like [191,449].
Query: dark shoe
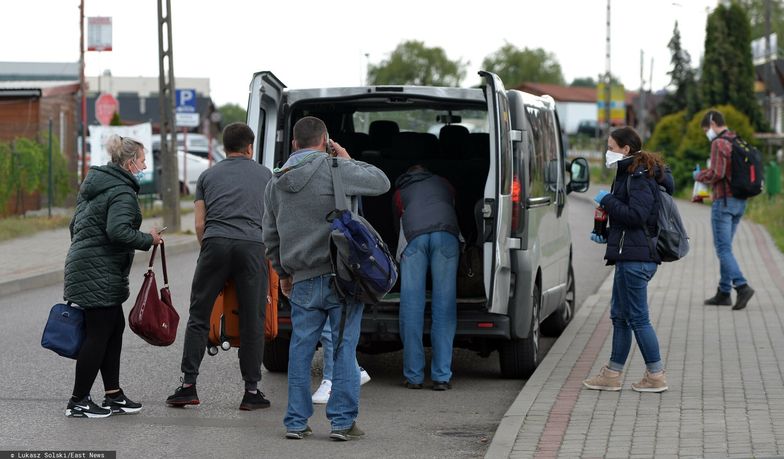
[120,404]
[441,385]
[86,408]
[299,434]
[410,385]
[183,396]
[720,299]
[347,434]
[255,401]
[744,295]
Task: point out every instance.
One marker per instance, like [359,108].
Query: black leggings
[101,350]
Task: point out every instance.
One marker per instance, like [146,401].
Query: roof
[38,88]
[567,93]
[39,71]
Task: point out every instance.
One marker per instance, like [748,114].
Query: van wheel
[557,322]
[520,357]
[276,354]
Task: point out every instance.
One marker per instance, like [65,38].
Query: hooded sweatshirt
[104,235]
[296,203]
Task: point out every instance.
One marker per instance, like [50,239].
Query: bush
[24,166]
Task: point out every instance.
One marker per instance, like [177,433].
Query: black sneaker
[720,299]
[299,434]
[86,408]
[441,385]
[183,396]
[120,404]
[745,292]
[251,401]
[410,385]
[347,434]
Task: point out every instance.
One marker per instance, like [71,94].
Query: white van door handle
[538,202]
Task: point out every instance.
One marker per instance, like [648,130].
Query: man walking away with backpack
[228,208]
[296,234]
[726,211]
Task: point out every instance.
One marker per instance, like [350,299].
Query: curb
[505,435]
[55,276]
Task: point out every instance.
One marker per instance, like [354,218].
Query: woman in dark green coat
[104,236]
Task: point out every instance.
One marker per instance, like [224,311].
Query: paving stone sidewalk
[38,260]
[725,368]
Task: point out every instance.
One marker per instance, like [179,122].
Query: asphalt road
[399,422]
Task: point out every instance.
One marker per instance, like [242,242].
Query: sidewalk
[38,260]
[725,368]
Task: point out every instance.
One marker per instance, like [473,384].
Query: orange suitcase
[224,320]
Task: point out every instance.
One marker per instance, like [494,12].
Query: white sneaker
[364,377]
[321,396]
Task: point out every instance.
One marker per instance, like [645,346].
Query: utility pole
[83,90]
[607,76]
[169,187]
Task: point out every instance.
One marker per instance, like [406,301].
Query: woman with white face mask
[634,256]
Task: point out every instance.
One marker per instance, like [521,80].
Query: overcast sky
[309,43]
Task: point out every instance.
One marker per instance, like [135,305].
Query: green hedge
[683,143]
[24,166]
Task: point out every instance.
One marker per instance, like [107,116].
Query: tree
[515,66]
[727,71]
[583,82]
[115,121]
[683,78]
[413,63]
[232,113]
[756,13]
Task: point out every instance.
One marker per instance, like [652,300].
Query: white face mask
[612,157]
[711,135]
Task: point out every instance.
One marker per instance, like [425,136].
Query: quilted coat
[104,235]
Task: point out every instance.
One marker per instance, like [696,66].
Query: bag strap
[341,200]
[163,262]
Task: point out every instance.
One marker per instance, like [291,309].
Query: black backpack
[672,241]
[745,180]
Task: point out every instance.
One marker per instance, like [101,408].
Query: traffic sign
[185,101]
[186,119]
[105,107]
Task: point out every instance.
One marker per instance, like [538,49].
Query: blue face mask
[140,174]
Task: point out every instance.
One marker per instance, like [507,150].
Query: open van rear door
[266,94]
[497,209]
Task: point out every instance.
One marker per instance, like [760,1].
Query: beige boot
[652,382]
[606,380]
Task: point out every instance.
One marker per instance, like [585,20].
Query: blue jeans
[439,251]
[724,221]
[329,351]
[629,313]
[313,302]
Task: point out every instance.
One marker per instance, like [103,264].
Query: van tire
[560,318]
[520,357]
[276,355]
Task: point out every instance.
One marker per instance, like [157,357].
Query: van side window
[536,159]
[552,152]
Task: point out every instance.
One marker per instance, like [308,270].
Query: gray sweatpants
[222,259]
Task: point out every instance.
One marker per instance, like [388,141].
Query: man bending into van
[296,234]
[228,208]
[429,224]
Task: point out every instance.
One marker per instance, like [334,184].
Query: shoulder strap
[341,200]
[163,262]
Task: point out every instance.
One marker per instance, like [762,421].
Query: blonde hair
[123,149]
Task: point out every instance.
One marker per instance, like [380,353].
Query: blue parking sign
[185,101]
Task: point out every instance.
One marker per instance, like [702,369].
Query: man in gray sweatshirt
[296,236]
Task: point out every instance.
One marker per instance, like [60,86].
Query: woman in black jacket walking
[104,235]
[632,208]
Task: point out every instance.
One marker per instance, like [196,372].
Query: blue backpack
[363,265]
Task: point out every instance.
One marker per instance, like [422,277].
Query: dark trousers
[222,259]
[101,350]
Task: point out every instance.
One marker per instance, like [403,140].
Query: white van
[512,179]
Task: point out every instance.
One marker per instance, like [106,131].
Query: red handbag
[153,317]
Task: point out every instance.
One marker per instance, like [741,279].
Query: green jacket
[104,235]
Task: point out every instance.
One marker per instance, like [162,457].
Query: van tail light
[517,193]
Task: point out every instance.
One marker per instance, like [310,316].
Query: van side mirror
[580,176]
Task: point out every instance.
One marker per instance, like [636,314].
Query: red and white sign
[99,33]
[105,107]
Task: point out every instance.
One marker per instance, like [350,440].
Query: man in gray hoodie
[296,236]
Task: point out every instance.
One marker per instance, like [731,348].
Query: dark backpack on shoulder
[672,241]
[745,180]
